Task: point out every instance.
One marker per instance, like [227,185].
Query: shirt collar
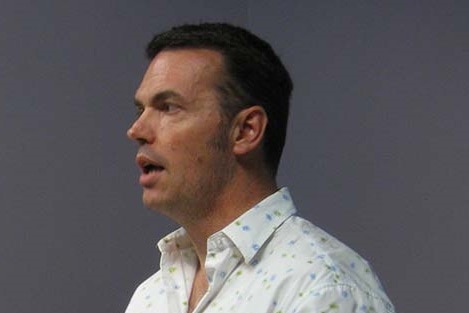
[249,232]
[252,229]
[176,240]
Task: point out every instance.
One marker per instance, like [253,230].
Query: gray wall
[377,150]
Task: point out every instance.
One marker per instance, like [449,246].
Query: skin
[180,127]
[210,170]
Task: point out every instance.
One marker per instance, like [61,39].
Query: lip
[148,178]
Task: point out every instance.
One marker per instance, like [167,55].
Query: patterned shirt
[268,260]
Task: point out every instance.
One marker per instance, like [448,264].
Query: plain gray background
[377,150]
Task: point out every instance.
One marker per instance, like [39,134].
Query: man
[212,116]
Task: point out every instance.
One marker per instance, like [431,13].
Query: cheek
[199,161]
[190,147]
[189,154]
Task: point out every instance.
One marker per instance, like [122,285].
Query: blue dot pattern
[268,260]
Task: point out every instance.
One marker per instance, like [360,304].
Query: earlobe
[248,131]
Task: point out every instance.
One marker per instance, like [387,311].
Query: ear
[248,129]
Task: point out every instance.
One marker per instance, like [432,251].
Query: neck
[243,192]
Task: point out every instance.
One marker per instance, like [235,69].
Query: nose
[140,132]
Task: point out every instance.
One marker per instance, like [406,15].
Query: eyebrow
[159,97]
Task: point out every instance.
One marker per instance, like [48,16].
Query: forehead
[184,71]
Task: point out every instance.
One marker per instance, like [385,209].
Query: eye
[168,107]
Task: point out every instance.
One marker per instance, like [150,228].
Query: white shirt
[268,260]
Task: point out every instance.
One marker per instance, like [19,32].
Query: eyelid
[167,106]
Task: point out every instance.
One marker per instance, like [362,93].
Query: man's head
[183,139]
[253,75]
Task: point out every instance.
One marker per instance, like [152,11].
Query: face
[183,140]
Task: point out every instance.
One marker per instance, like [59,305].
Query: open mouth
[147,165]
[149,168]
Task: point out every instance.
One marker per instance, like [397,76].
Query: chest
[245,290]
[199,289]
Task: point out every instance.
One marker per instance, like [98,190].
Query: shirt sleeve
[339,299]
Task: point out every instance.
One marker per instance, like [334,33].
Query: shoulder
[146,294]
[310,265]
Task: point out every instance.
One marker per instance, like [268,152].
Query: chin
[151,201]
[156,201]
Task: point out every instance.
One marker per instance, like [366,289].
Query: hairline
[232,97]
[227,89]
